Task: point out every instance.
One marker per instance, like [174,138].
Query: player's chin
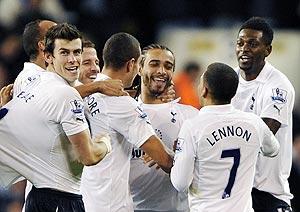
[244,66]
[157,91]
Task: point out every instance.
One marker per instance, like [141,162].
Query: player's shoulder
[56,86]
[250,118]
[120,103]
[188,108]
[277,78]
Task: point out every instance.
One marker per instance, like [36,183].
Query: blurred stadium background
[196,30]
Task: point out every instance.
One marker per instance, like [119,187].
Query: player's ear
[48,57]
[268,50]
[204,92]
[130,65]
[41,45]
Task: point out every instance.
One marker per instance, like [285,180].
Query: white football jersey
[152,189]
[216,155]
[271,95]
[34,133]
[26,76]
[105,185]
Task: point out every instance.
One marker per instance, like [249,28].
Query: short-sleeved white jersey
[34,133]
[105,186]
[152,189]
[271,95]
[216,155]
[25,76]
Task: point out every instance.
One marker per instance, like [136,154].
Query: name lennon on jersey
[228,131]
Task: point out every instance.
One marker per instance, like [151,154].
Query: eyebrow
[64,49]
[155,60]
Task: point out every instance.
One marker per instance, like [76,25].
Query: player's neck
[40,62]
[148,98]
[252,73]
[113,74]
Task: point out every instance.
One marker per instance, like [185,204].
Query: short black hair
[154,46]
[88,43]
[60,31]
[31,36]
[119,49]
[260,24]
[222,81]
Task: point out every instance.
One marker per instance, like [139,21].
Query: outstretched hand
[6,94]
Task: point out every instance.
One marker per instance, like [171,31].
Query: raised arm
[87,151]
[108,87]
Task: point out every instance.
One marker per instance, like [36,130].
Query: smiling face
[157,70]
[66,59]
[251,51]
[89,67]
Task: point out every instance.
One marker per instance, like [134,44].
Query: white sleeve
[269,145]
[129,119]
[278,102]
[182,171]
[70,111]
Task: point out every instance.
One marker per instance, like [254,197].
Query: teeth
[93,77]
[245,57]
[159,79]
[72,69]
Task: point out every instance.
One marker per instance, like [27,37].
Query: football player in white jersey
[33,43]
[105,186]
[266,92]
[45,135]
[217,150]
[151,188]
[89,67]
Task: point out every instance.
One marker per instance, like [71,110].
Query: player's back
[26,76]
[227,147]
[105,185]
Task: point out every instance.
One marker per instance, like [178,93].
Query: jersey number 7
[235,153]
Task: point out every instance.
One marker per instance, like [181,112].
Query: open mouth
[73,70]
[93,77]
[245,58]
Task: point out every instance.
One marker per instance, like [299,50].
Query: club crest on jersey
[279,95]
[78,110]
[252,102]
[173,114]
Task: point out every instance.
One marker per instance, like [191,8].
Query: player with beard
[105,186]
[152,189]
